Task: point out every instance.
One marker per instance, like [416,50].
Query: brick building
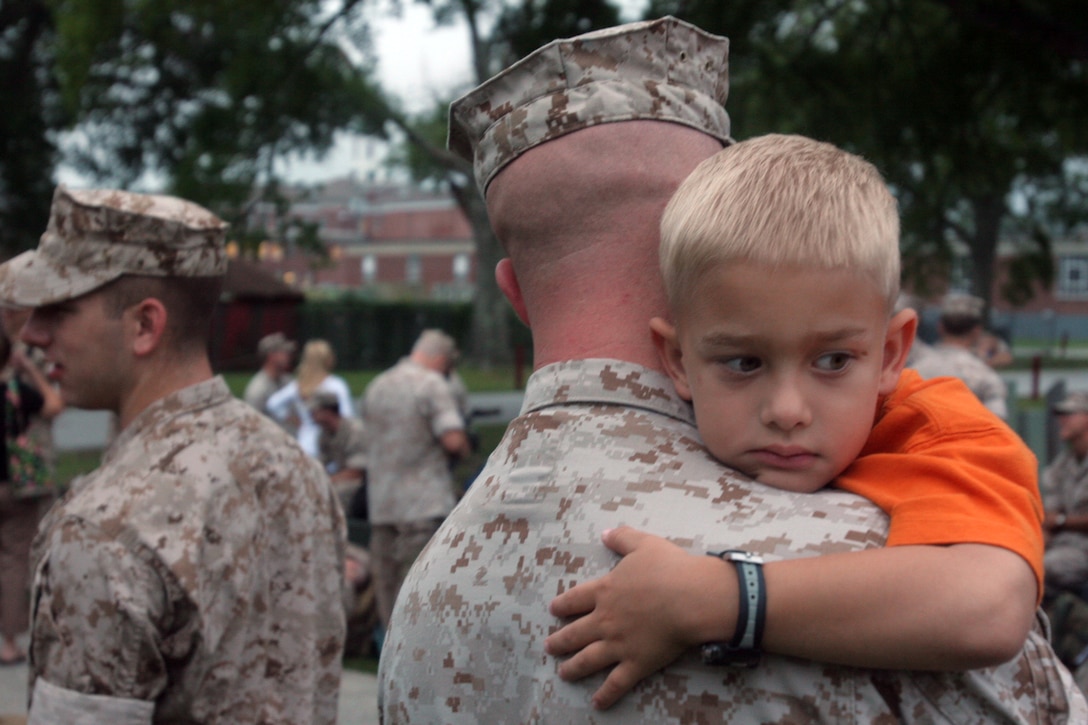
[388,241]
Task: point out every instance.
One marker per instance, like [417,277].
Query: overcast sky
[418,62]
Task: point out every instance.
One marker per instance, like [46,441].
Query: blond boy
[781,263]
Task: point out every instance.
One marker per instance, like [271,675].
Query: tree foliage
[964,105]
[32,114]
[205,95]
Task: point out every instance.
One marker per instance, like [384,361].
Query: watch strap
[744,649]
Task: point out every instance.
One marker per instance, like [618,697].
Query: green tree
[32,115]
[966,106]
[204,95]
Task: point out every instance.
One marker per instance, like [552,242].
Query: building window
[1073,277]
[368,266]
[461,267]
[413,269]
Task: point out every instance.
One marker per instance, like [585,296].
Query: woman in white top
[313,374]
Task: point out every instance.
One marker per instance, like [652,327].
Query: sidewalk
[358,697]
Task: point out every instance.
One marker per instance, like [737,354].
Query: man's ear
[667,342]
[897,343]
[147,325]
[508,283]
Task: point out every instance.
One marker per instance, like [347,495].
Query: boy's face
[785,367]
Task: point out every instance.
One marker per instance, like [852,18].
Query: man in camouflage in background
[1064,488]
[413,426]
[196,575]
[275,351]
[341,447]
[577,149]
[959,329]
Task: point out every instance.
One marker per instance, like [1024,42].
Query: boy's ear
[897,344]
[667,343]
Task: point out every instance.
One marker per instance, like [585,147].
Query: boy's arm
[908,607]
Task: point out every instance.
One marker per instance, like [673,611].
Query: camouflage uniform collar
[605,382]
[182,402]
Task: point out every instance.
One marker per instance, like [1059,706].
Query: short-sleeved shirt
[406,410]
[948,471]
[602,443]
[196,576]
[344,449]
[957,362]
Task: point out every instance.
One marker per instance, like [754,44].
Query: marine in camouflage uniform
[341,446]
[960,328]
[196,575]
[604,442]
[413,425]
[275,351]
[1064,488]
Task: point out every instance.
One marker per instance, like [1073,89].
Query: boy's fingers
[623,539]
[575,602]
[588,661]
[618,683]
[570,637]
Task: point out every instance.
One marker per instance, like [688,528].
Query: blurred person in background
[414,426]
[959,329]
[276,352]
[29,400]
[313,374]
[341,449]
[1064,488]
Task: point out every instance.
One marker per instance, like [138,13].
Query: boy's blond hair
[781,200]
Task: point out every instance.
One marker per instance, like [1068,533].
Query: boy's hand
[639,617]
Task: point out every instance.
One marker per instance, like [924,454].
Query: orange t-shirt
[948,471]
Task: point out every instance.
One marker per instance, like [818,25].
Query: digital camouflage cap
[95,236]
[275,342]
[1075,402]
[657,70]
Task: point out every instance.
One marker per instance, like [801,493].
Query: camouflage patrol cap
[95,236]
[962,306]
[657,70]
[1076,402]
[274,342]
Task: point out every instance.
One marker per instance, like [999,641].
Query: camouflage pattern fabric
[949,360]
[406,410]
[660,70]
[198,573]
[346,448]
[1064,488]
[602,443]
[95,236]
